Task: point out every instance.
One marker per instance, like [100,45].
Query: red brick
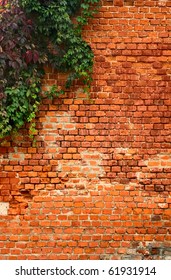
[119,3]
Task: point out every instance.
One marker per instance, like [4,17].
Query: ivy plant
[21,60]
[35,32]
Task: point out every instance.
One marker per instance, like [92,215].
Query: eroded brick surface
[4,208]
[97,183]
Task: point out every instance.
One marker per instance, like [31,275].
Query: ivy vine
[33,33]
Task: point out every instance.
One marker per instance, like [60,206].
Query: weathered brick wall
[97,184]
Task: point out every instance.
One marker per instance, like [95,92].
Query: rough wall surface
[97,183]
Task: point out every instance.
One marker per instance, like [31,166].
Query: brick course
[97,183]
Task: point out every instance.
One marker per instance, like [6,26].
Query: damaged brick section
[160,252]
[12,191]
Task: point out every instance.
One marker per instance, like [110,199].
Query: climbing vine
[35,32]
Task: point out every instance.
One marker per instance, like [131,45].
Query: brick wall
[97,183]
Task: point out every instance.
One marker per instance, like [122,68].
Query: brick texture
[97,183]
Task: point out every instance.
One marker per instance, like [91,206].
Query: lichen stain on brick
[160,161]
[50,132]
[4,206]
[155,175]
[163,2]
